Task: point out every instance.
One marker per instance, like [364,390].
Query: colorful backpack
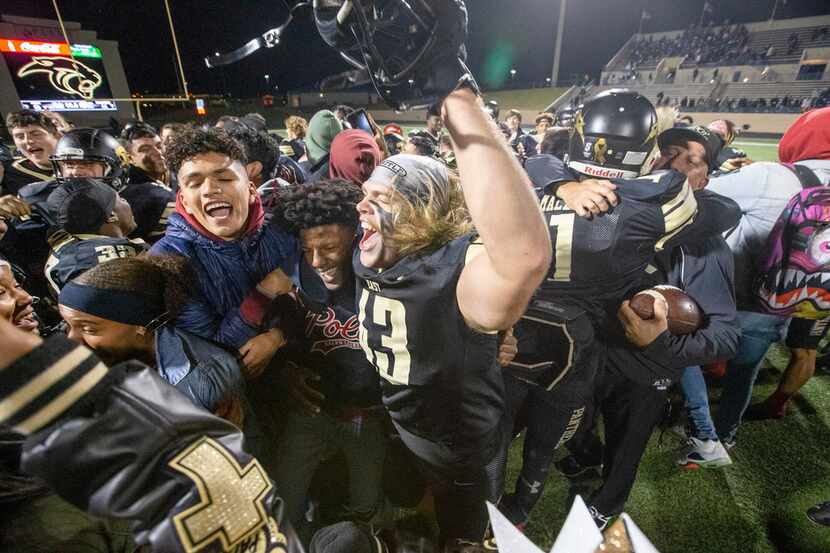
[794,273]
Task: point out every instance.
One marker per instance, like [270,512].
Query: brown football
[684,315]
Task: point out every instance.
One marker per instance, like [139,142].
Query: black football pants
[552,418]
[460,488]
[547,389]
[630,411]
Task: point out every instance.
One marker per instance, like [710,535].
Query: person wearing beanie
[354,155]
[322,129]
[93,225]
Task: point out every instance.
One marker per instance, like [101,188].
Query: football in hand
[684,315]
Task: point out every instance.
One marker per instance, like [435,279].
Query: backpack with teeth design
[794,274]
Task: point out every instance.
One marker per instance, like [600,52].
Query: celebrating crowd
[237,341]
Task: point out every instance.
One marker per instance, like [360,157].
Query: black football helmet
[92,145]
[411,50]
[614,136]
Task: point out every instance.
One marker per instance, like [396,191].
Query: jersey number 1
[564,223]
[390,356]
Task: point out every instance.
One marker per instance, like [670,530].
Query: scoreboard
[57,76]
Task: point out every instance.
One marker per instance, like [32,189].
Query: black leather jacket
[122,443]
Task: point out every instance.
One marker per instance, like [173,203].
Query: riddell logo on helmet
[596,172]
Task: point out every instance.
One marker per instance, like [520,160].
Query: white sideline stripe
[766,144]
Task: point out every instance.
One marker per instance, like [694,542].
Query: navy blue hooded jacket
[225,305]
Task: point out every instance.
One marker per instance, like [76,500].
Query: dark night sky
[503,34]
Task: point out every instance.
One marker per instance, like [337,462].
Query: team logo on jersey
[65,74]
[333,334]
[231,508]
[600,149]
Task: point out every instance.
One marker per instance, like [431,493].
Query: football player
[644,359]
[432,297]
[599,260]
[93,222]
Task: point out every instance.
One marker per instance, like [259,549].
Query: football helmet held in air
[412,51]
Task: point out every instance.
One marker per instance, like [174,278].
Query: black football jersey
[20,172]
[439,378]
[152,203]
[598,261]
[72,254]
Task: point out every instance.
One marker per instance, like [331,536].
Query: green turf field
[756,505]
[759,149]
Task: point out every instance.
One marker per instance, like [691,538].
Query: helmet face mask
[614,136]
[412,50]
[93,146]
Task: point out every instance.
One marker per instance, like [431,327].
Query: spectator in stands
[35,137]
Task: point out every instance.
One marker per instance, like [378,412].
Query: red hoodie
[354,155]
[807,138]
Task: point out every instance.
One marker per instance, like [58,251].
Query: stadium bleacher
[767,67]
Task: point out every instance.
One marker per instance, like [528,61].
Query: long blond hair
[428,223]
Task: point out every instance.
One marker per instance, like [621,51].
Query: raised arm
[496,285]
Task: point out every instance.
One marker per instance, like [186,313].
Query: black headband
[114,305]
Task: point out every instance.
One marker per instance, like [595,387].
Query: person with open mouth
[16,305]
[35,138]
[242,264]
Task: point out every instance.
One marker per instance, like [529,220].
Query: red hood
[354,155]
[807,138]
[256,216]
